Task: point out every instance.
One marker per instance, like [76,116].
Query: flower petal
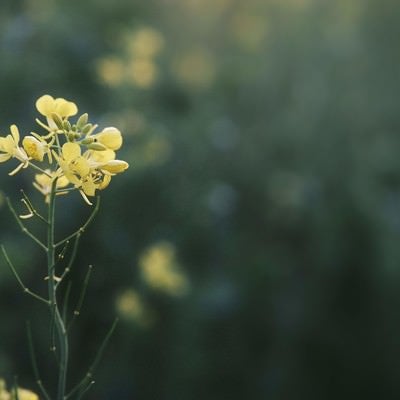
[65,108]
[15,133]
[110,137]
[70,151]
[4,157]
[45,105]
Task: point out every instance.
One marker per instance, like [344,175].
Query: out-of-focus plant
[16,393]
[69,156]
[137,67]
[160,269]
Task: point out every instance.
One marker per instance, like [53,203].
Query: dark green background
[280,190]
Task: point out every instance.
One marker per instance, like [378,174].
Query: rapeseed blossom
[9,148]
[70,153]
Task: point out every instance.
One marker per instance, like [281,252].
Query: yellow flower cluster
[23,394]
[160,269]
[70,153]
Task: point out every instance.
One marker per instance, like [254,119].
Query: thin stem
[64,190]
[84,226]
[61,254]
[78,307]
[43,125]
[59,323]
[89,375]
[71,260]
[34,363]
[32,208]
[66,300]
[16,394]
[23,227]
[19,280]
[83,392]
[42,171]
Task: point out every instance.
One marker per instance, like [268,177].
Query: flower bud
[96,146]
[115,166]
[87,128]
[66,125]
[87,140]
[82,121]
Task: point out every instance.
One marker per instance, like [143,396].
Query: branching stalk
[23,227]
[78,307]
[84,226]
[19,280]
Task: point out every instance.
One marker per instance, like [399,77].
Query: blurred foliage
[263,138]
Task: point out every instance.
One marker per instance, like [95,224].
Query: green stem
[61,332]
[39,169]
[23,227]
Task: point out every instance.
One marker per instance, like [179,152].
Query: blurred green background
[252,250]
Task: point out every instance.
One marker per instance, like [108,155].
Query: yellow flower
[48,105]
[110,137]
[43,183]
[97,158]
[23,394]
[9,146]
[4,395]
[35,148]
[88,185]
[161,271]
[73,165]
[88,172]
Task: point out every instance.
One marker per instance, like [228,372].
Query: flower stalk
[60,330]
[68,158]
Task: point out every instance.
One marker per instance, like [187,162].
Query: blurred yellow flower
[249,30]
[110,70]
[160,269]
[130,305]
[20,394]
[24,394]
[195,68]
[142,73]
[4,395]
[145,43]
